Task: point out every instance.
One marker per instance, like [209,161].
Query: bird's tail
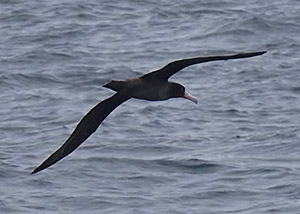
[115,85]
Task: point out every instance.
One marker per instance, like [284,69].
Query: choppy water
[237,151]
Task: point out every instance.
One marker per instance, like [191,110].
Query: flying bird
[153,86]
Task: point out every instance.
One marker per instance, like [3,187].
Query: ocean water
[237,151]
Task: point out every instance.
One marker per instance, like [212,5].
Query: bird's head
[177,90]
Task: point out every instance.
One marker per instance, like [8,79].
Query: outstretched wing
[87,126]
[173,67]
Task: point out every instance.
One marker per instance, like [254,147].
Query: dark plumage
[152,86]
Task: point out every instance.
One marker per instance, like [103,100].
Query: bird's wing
[87,126]
[173,67]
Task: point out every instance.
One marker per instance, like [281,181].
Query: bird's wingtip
[37,169]
[250,54]
[262,52]
[258,53]
[34,171]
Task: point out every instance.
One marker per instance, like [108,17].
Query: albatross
[152,86]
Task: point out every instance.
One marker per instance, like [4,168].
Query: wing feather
[173,67]
[87,126]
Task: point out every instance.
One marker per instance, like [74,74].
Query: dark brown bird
[152,86]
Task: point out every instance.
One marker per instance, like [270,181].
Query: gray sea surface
[235,152]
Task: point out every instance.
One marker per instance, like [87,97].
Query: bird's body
[141,88]
[153,86]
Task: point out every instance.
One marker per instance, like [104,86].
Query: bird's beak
[190,97]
